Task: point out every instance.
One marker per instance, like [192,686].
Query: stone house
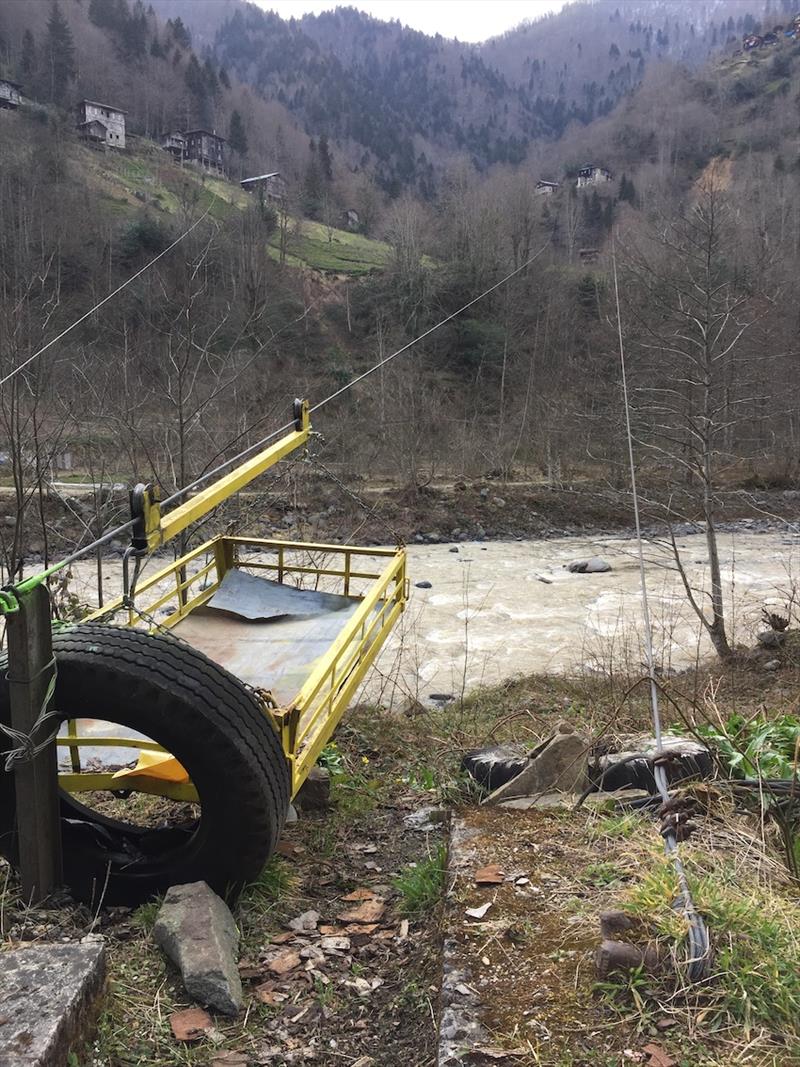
[593,174]
[92,115]
[9,93]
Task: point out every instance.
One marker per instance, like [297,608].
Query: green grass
[755,982]
[421,885]
[345,253]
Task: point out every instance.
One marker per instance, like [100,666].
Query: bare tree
[694,306]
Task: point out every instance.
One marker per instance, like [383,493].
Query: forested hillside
[402,104]
[263,302]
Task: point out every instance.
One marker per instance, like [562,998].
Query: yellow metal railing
[307,723]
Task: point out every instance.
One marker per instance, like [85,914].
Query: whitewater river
[497,609]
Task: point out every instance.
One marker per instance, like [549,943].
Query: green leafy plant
[753,748]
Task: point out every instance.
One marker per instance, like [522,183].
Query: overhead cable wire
[698,961]
[106,298]
[433,329]
[180,494]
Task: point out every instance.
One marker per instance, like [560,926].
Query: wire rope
[698,934]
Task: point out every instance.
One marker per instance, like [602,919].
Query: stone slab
[49,998]
[196,930]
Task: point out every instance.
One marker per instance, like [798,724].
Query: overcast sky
[469,20]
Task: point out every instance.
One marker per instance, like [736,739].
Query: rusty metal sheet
[277,652]
[252,597]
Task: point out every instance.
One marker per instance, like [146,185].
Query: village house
[270,186]
[101,123]
[9,93]
[351,219]
[175,144]
[593,174]
[206,149]
[544,188]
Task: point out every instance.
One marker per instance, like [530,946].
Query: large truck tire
[214,727]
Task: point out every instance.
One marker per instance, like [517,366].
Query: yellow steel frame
[307,723]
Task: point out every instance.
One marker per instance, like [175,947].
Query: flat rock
[558,766]
[197,932]
[49,997]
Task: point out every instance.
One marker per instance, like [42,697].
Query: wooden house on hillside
[271,186]
[10,93]
[101,123]
[544,188]
[593,174]
[175,144]
[207,149]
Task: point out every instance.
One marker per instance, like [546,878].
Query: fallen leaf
[287,961]
[360,894]
[329,931]
[522,881]
[190,1024]
[403,932]
[364,1061]
[286,848]
[658,1057]
[491,875]
[364,930]
[281,939]
[230,1059]
[248,969]
[335,944]
[305,922]
[368,912]
[364,987]
[267,994]
[478,913]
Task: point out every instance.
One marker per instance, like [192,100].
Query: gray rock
[196,930]
[558,766]
[291,815]
[315,792]
[773,665]
[454,549]
[771,639]
[595,565]
[425,819]
[48,996]
[423,585]
[484,493]
[499,502]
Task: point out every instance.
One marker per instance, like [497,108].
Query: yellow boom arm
[155,529]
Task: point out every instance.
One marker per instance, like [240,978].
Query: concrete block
[49,999]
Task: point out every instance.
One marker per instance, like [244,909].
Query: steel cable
[698,934]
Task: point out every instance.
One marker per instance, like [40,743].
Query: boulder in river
[595,565]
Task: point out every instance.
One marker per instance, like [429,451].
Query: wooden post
[30,652]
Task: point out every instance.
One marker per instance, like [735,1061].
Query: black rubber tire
[210,722]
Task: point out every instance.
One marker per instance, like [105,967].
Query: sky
[469,20]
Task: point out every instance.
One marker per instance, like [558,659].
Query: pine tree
[237,135]
[59,53]
[27,61]
[325,158]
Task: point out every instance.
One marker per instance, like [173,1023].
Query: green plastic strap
[8,602]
